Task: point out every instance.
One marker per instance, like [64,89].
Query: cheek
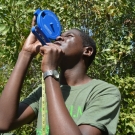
[72,47]
[73,51]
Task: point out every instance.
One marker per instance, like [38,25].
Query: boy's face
[71,43]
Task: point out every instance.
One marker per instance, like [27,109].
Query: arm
[11,114]
[60,121]
[25,116]
[9,108]
[59,115]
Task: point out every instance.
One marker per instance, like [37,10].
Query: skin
[67,47]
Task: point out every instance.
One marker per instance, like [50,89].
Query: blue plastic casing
[48,26]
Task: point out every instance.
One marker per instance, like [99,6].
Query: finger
[41,53]
[31,38]
[33,21]
[53,45]
[43,49]
[38,42]
[38,45]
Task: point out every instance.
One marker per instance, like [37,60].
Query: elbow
[4,127]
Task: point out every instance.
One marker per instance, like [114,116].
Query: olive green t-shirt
[96,103]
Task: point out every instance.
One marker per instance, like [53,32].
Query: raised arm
[10,111]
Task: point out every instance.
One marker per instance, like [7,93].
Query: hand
[52,56]
[32,45]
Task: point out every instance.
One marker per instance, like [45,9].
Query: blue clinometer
[48,26]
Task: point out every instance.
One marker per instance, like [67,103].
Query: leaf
[2,7]
[111,58]
[2,27]
[4,31]
[18,3]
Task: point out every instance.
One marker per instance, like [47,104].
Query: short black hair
[88,41]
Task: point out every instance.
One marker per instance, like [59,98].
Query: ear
[88,51]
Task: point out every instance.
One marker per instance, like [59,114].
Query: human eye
[69,35]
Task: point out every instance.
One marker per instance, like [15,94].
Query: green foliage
[113,27]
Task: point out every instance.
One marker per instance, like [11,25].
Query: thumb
[31,38]
[33,21]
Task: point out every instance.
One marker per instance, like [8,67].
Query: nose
[59,38]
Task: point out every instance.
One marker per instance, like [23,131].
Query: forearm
[60,121]
[9,100]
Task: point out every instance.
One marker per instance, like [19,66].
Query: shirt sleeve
[102,109]
[33,99]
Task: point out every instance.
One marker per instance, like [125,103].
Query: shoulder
[35,94]
[37,90]
[100,87]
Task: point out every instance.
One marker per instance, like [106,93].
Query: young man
[76,103]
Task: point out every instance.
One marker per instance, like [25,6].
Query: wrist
[23,62]
[53,73]
[24,58]
[26,55]
[45,68]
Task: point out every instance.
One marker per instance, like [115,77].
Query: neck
[74,76]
